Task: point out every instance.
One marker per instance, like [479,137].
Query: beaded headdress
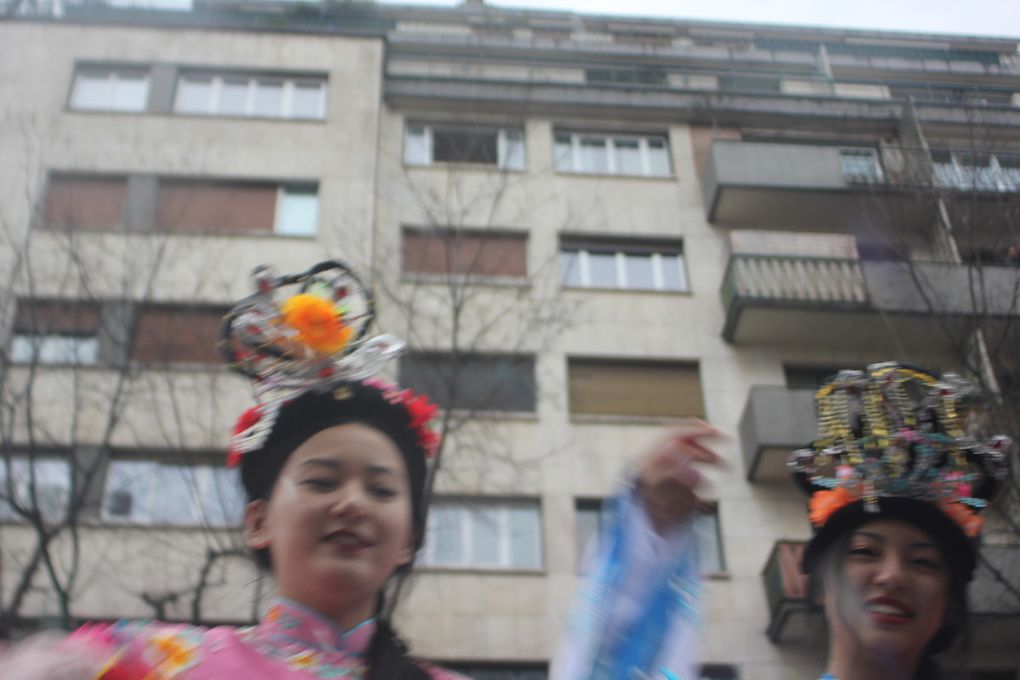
[309,332]
[894,431]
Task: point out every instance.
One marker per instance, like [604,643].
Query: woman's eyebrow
[871,535]
[381,470]
[333,465]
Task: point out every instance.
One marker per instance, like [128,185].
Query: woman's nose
[892,572]
[349,501]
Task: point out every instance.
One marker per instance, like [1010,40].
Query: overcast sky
[999,18]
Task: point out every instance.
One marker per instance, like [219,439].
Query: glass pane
[268,98]
[706,534]
[91,91]
[298,213]
[485,536]
[416,150]
[588,519]
[602,270]
[223,502]
[52,484]
[55,349]
[674,275]
[233,97]
[628,157]
[658,158]
[640,273]
[193,95]
[513,150]
[131,92]
[307,100]
[524,538]
[177,500]
[128,491]
[563,153]
[444,535]
[570,268]
[593,155]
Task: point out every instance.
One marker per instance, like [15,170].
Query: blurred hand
[48,656]
[668,480]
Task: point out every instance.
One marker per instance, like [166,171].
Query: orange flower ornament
[824,503]
[319,324]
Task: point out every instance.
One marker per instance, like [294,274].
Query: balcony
[776,420]
[883,306]
[790,605]
[802,186]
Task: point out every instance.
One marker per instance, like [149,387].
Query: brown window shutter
[56,316]
[474,253]
[222,207]
[76,202]
[175,335]
[634,388]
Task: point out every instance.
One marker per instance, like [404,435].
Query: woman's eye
[863,551]
[382,492]
[928,563]
[318,483]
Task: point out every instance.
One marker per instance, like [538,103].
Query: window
[150,492]
[707,538]
[85,202]
[52,482]
[634,265]
[176,335]
[860,166]
[237,207]
[478,382]
[598,154]
[625,387]
[483,534]
[499,671]
[808,377]
[478,145]
[55,332]
[637,75]
[475,253]
[719,671]
[978,172]
[249,95]
[99,88]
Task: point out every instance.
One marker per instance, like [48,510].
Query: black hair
[297,421]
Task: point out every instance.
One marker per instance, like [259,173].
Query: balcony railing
[795,279]
[786,588]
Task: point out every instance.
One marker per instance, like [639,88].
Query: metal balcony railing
[786,588]
[781,278]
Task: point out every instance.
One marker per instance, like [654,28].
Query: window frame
[15,460]
[467,509]
[113,73]
[504,159]
[205,491]
[216,80]
[858,154]
[448,236]
[482,410]
[575,166]
[584,247]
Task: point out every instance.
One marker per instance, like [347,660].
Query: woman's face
[338,521]
[891,599]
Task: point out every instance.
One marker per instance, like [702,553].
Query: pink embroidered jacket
[291,642]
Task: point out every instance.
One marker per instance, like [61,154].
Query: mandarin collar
[290,622]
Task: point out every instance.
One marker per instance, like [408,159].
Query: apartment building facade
[587,228]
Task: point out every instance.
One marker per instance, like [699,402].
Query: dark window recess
[719,671]
[626,76]
[874,250]
[83,202]
[808,377]
[166,335]
[465,146]
[479,382]
[461,252]
[749,84]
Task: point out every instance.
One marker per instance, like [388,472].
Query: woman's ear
[256,525]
